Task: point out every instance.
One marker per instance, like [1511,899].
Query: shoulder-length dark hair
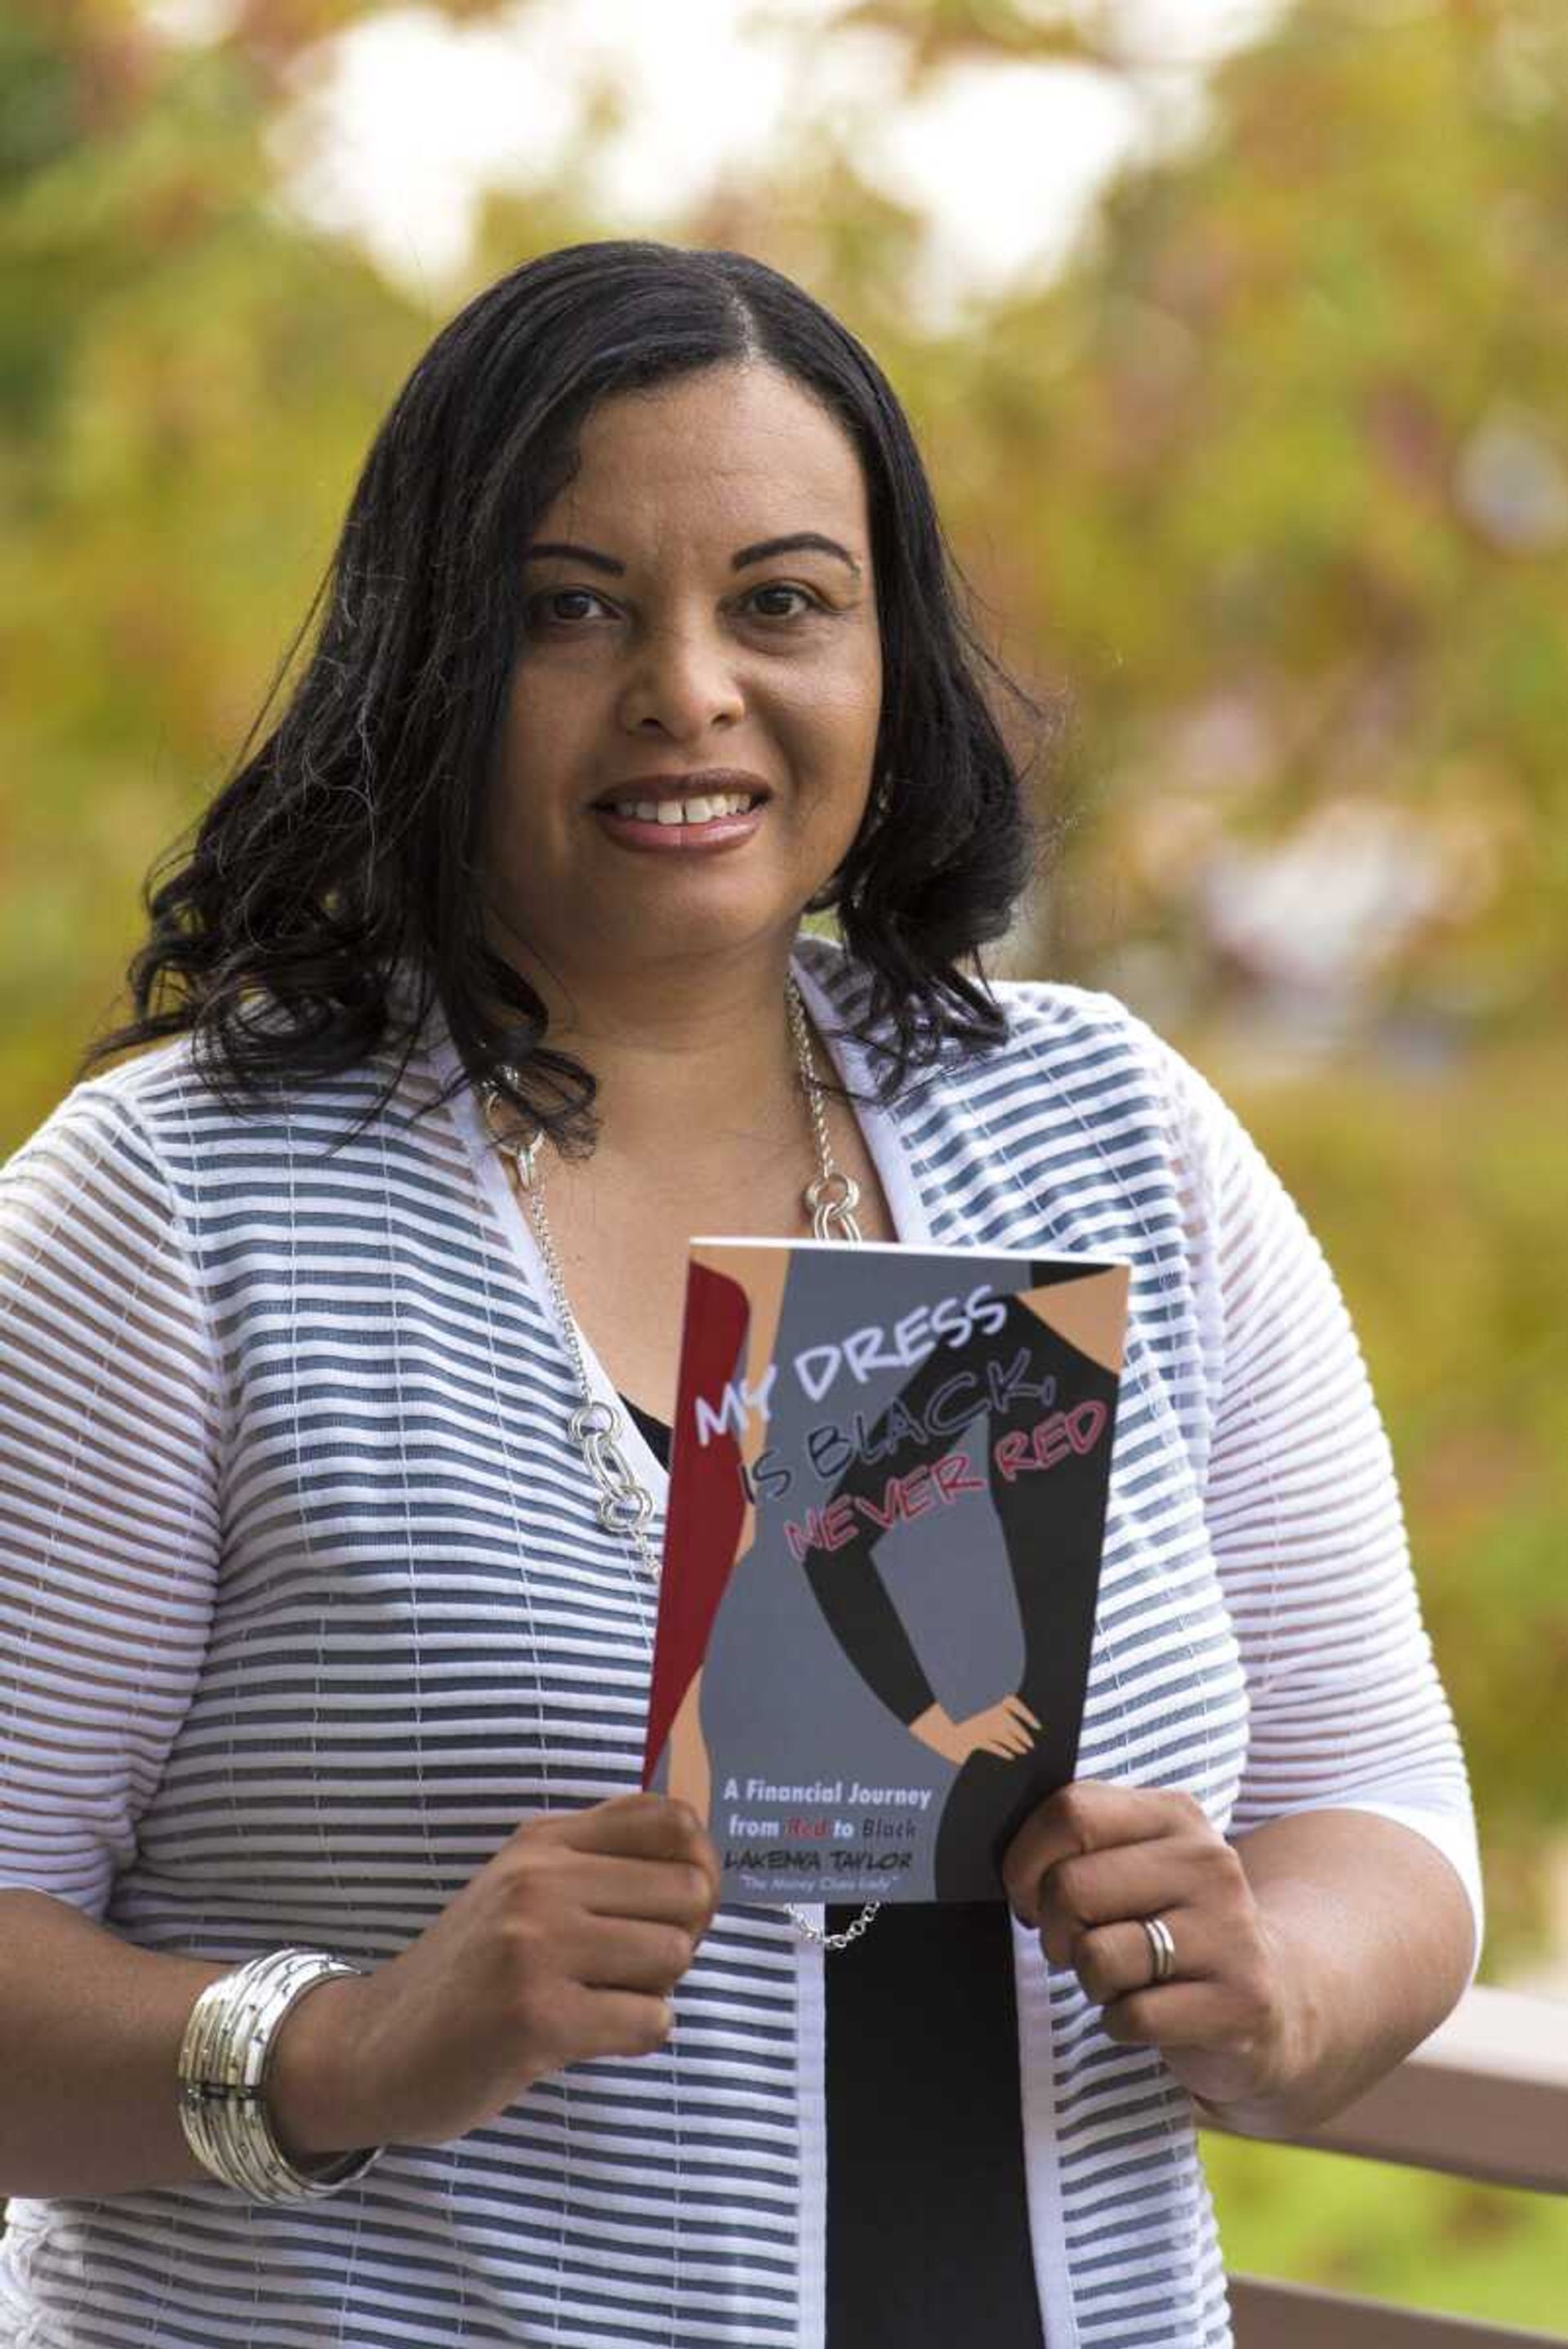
[347,846]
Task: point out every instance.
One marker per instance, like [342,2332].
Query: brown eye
[779,587]
[540,607]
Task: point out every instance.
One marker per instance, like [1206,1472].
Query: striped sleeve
[1347,1708]
[110,1449]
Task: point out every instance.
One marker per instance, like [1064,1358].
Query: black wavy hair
[347,843]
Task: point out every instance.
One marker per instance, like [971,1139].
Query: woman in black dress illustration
[1048,1415]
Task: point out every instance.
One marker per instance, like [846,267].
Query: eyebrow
[806,540]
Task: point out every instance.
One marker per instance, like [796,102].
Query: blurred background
[1236,337]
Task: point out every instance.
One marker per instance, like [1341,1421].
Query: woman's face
[666,643]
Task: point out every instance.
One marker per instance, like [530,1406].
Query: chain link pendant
[832,1199]
[624,1507]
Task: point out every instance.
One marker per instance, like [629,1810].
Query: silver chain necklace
[625,1507]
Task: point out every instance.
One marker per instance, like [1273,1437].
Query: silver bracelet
[224,2058]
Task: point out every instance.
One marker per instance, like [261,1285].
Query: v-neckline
[883,1144]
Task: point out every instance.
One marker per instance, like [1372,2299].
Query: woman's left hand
[1093,1861]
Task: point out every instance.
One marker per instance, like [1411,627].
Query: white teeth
[693,810]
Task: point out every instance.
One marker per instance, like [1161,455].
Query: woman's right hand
[565,1946]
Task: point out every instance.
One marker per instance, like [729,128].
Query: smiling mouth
[699,808]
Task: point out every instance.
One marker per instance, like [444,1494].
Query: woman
[327,1601]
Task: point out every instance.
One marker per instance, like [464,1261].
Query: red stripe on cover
[708,1500]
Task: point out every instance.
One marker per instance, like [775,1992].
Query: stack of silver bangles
[224,2061]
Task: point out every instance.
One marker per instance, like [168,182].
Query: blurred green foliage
[1379,2233]
[1266,494]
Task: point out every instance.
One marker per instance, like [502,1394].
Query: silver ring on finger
[1161,1948]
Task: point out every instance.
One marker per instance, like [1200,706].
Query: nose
[683,680]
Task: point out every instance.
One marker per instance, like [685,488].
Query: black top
[928,2236]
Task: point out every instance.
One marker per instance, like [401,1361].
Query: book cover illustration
[881,1552]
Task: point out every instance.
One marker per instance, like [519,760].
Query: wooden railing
[1486,2097]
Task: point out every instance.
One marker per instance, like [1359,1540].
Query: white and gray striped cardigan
[303,1605]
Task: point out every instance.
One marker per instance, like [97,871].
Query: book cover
[882,1553]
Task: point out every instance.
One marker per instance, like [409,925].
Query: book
[882,1554]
